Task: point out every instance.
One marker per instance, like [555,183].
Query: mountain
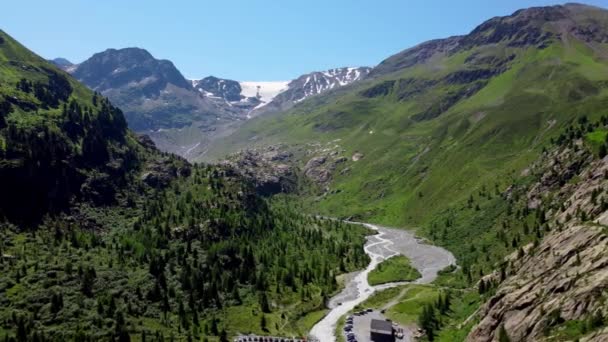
[549,287]
[62,63]
[463,103]
[314,83]
[152,92]
[492,144]
[228,90]
[103,237]
[264,97]
[113,69]
[229,93]
[158,100]
[58,140]
[183,116]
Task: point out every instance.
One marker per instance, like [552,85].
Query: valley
[141,205]
[428,260]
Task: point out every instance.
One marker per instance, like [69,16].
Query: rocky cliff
[555,288]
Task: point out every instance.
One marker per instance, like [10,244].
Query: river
[427,259]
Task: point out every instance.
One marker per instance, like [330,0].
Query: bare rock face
[277,168]
[320,169]
[599,336]
[159,173]
[315,170]
[564,278]
[269,169]
[557,169]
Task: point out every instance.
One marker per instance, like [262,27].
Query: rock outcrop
[160,172]
[564,277]
[271,169]
[278,169]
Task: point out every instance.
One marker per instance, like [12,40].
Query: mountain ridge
[184,116]
[104,237]
[448,136]
[442,95]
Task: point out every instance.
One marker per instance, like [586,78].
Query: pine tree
[427,321]
[263,323]
[602,152]
[223,336]
[264,303]
[482,287]
[502,334]
[214,329]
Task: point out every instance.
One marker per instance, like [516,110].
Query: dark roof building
[382,331]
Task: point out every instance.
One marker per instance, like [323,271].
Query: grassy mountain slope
[58,140]
[448,117]
[448,131]
[103,237]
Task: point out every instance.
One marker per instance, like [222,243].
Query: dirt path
[395,300]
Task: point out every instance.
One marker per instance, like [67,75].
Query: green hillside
[443,120]
[103,237]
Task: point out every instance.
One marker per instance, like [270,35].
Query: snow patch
[267,90]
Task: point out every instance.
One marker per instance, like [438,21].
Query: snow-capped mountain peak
[319,82]
[274,95]
[247,95]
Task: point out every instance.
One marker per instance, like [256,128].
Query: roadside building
[382,331]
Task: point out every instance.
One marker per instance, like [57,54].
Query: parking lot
[359,325]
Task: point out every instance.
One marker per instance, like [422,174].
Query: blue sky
[247,39]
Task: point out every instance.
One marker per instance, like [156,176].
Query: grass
[379,299]
[424,173]
[397,268]
[338,331]
[306,323]
[464,303]
[596,139]
[410,306]
[444,159]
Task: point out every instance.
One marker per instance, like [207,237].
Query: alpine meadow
[455,191]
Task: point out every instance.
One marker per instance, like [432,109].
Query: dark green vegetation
[448,129]
[57,139]
[437,309]
[439,121]
[102,237]
[448,126]
[397,268]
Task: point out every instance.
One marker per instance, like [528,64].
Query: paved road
[427,259]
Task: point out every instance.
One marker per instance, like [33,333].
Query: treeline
[102,237]
[433,314]
[57,89]
[513,216]
[179,258]
[498,219]
[81,153]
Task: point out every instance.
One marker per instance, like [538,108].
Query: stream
[427,259]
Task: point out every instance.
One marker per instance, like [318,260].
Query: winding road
[427,259]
